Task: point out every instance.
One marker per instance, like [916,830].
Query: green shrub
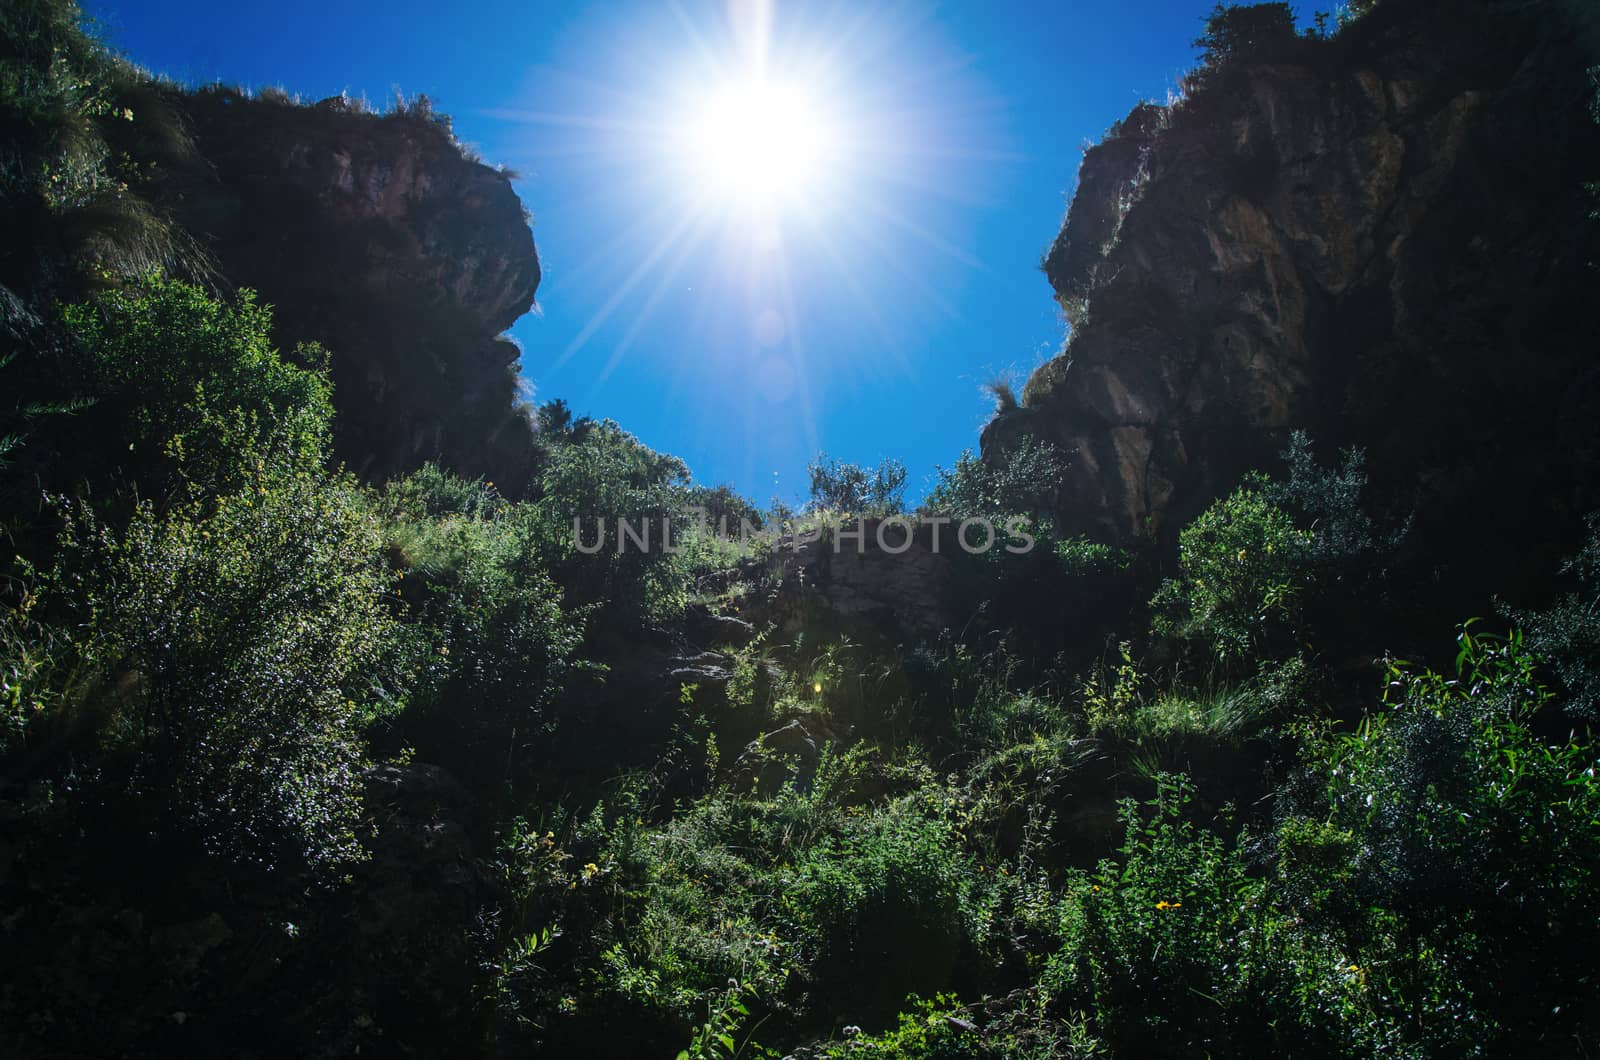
[68,112]
[1567,634]
[1341,539]
[1017,482]
[710,897]
[840,486]
[238,642]
[32,655]
[1240,31]
[688,908]
[1176,949]
[197,389]
[934,1031]
[602,474]
[880,907]
[1271,565]
[1240,584]
[430,492]
[490,639]
[1461,865]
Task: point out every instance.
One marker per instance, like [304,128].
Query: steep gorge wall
[1381,238]
[379,238]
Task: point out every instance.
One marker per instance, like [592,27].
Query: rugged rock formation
[870,580]
[1381,238]
[379,238]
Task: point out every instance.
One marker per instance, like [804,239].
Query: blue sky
[858,314]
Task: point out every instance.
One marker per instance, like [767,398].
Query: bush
[600,475]
[1271,565]
[839,486]
[1239,31]
[197,389]
[1240,584]
[1019,482]
[238,644]
[1177,950]
[67,108]
[880,909]
[490,640]
[1567,634]
[1456,858]
[430,492]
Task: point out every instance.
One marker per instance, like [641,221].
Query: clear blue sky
[858,315]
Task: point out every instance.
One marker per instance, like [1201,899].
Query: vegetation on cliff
[297,760]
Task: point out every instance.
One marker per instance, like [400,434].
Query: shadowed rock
[378,237]
[1382,238]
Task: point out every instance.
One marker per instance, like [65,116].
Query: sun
[757,142]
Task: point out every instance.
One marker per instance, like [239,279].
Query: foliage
[18,421]
[1567,633]
[724,508]
[1236,31]
[1019,483]
[880,905]
[206,652]
[1341,535]
[1178,920]
[933,1032]
[840,486]
[490,640]
[1256,569]
[716,1040]
[600,476]
[1456,855]
[430,492]
[66,107]
[1241,585]
[236,643]
[197,388]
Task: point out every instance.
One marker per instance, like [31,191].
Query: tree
[1242,30]
[845,487]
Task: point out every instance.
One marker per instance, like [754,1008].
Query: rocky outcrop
[869,579]
[1381,238]
[378,237]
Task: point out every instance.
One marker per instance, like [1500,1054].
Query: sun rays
[757,143]
[763,176]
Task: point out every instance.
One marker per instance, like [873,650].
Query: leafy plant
[716,1039]
[1264,567]
[840,486]
[1236,31]
[197,388]
[237,644]
[1464,853]
[1567,633]
[1017,482]
[880,906]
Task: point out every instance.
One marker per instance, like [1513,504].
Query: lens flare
[757,142]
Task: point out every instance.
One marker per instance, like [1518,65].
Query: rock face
[379,238]
[870,579]
[1381,238]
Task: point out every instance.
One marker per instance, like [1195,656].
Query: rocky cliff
[378,237]
[1380,237]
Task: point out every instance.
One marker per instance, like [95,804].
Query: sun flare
[758,142]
